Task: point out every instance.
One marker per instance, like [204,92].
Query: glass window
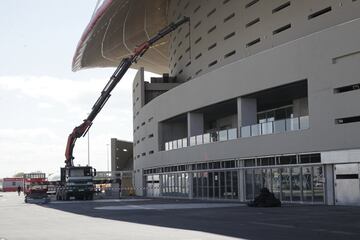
[267,161]
[211,184]
[305,158]
[284,160]
[204,166]
[318,184]
[215,165]
[216,185]
[285,184]
[266,178]
[229,188]
[182,168]
[307,183]
[195,185]
[229,164]
[222,183]
[235,184]
[249,162]
[199,185]
[186,184]
[249,192]
[276,182]
[296,184]
[163,187]
[205,185]
[258,181]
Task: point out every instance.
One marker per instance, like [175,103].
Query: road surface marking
[170,206]
[273,225]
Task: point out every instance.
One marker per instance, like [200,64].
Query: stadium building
[253,94]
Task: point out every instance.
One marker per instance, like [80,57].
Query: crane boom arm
[120,71]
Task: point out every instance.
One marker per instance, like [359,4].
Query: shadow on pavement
[288,222]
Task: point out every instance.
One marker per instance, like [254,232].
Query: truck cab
[76,182]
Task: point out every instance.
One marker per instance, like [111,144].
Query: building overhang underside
[116,28]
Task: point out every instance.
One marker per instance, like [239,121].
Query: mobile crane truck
[77,181]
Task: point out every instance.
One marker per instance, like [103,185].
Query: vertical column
[247,112]
[139,183]
[190,179]
[300,107]
[195,123]
[241,181]
[329,184]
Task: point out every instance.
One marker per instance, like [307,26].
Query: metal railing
[278,126]
[215,136]
[175,144]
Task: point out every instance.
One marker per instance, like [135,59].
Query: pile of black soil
[265,199]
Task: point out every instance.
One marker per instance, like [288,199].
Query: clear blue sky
[41,99]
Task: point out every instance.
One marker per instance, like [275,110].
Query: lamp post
[88,142]
[88,138]
[107,156]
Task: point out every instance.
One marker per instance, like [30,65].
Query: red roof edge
[76,62]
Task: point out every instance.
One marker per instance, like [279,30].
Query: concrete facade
[121,155]
[243,48]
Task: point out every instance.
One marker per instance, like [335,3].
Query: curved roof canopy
[116,28]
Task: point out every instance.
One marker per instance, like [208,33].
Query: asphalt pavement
[143,218]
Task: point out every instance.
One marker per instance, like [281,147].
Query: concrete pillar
[329,184]
[241,182]
[190,179]
[247,111]
[139,183]
[195,124]
[300,107]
